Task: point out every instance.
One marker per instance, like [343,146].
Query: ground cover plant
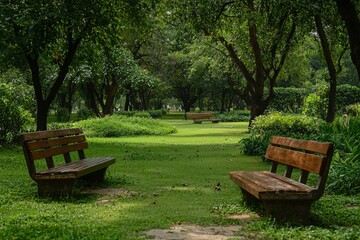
[179,178]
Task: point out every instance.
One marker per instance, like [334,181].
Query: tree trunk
[91,99]
[111,90]
[331,68]
[348,13]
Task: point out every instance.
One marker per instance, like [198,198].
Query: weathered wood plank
[49,143]
[57,151]
[50,134]
[306,161]
[307,145]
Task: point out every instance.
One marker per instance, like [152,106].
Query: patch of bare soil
[110,194]
[196,232]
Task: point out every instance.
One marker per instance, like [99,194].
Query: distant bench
[57,179]
[198,118]
[282,197]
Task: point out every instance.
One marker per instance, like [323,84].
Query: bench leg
[55,187]
[290,210]
[249,199]
[97,176]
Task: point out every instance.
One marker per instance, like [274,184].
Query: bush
[344,175]
[288,99]
[286,125]
[265,126]
[255,145]
[62,115]
[234,116]
[353,110]
[116,126]
[85,113]
[151,113]
[142,114]
[346,95]
[13,116]
[315,106]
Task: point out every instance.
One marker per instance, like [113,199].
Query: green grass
[174,177]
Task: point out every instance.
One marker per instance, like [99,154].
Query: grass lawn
[173,179]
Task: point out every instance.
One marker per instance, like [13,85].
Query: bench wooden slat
[79,168]
[307,145]
[306,161]
[50,134]
[48,143]
[57,151]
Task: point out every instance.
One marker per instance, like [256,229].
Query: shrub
[255,144]
[142,114]
[234,116]
[156,113]
[151,113]
[315,106]
[286,124]
[62,115]
[288,99]
[353,110]
[116,126]
[59,125]
[265,126]
[346,95]
[13,116]
[85,113]
[344,175]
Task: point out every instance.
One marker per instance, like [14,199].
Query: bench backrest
[47,144]
[199,115]
[306,155]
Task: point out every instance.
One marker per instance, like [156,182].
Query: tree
[48,34]
[257,36]
[349,11]
[329,52]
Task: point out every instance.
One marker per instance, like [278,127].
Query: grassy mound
[116,126]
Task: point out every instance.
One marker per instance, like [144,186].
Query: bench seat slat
[76,169]
[267,185]
[48,143]
[57,151]
[302,160]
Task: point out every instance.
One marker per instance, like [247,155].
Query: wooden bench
[58,179]
[198,118]
[282,197]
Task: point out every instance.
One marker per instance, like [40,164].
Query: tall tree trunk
[331,68]
[347,11]
[91,99]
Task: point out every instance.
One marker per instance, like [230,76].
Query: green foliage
[85,113]
[288,99]
[234,116]
[353,109]
[15,105]
[315,106]
[142,115]
[344,176]
[60,125]
[265,126]
[148,113]
[116,126]
[255,144]
[286,125]
[346,95]
[62,114]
